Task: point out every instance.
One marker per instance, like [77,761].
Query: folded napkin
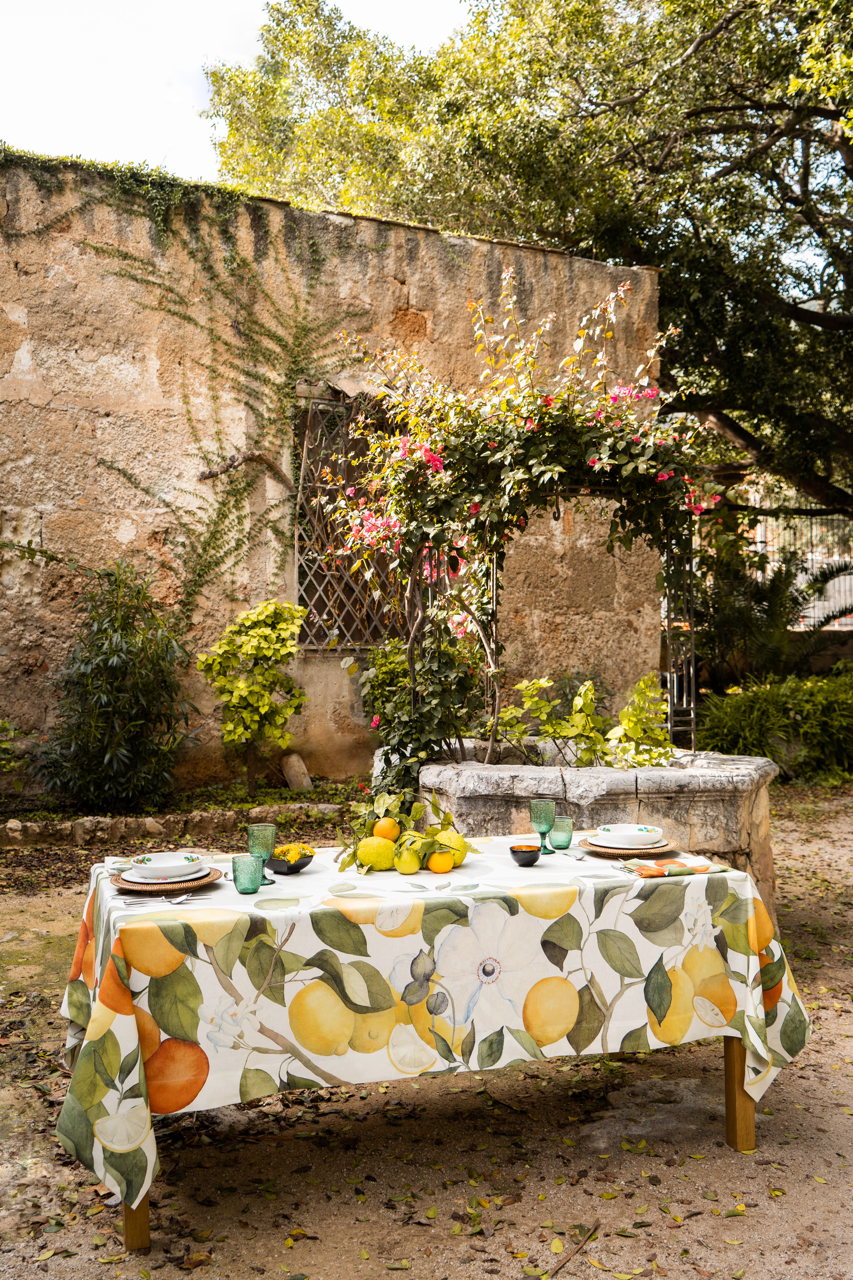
[672,867]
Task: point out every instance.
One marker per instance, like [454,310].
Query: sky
[107,80]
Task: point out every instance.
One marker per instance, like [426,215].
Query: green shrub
[416,726]
[9,760]
[120,714]
[805,726]
[245,668]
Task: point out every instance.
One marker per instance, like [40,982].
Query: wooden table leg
[740,1107]
[137,1226]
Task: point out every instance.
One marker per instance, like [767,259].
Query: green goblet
[542,814]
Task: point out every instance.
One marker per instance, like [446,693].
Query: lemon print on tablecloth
[358,910]
[398,920]
[408,1053]
[714,1000]
[124,1131]
[320,1020]
[550,1010]
[545,901]
[101,1020]
[677,1022]
[372,1031]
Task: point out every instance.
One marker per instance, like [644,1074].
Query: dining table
[333,977]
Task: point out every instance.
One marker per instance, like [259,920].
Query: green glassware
[248,873]
[262,840]
[542,814]
[561,833]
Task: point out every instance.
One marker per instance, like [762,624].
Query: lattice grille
[351,608]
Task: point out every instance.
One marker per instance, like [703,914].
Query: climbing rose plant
[460,473]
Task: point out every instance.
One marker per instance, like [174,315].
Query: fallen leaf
[738,1275]
[595,1263]
[397,1266]
[201,1236]
[96,1208]
[556,1245]
[609,1195]
[734,1242]
[113,1257]
[365,1254]
[194,1260]
[48,1253]
[817,1179]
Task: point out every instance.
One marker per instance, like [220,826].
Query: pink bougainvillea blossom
[474,508]
[350,492]
[374,724]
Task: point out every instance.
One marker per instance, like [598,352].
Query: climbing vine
[259,339]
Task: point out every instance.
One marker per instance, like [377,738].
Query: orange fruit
[175,1075]
[148,950]
[79,952]
[149,1033]
[441,861]
[112,992]
[89,917]
[772,995]
[87,969]
[759,928]
[669,862]
[386,829]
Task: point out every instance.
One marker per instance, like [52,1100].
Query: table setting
[277,969]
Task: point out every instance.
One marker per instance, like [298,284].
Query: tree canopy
[714,141]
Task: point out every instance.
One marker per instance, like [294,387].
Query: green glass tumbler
[248,873]
[542,815]
[262,840]
[561,833]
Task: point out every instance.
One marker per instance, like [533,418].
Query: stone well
[706,803]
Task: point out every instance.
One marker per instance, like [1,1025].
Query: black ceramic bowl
[525,855]
[281,867]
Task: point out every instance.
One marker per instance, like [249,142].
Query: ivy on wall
[259,340]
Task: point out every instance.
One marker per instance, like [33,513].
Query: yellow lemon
[702,963]
[547,901]
[320,1020]
[408,861]
[126,1130]
[372,1030]
[715,1002]
[677,1022]
[376,853]
[356,910]
[453,840]
[759,928]
[408,1055]
[397,921]
[146,949]
[550,1010]
[101,1020]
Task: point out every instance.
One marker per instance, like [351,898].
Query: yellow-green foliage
[245,668]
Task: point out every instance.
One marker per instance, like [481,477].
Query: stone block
[296,775]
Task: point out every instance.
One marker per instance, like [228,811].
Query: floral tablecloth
[329,978]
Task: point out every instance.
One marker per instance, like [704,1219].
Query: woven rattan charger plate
[161,886]
[623,855]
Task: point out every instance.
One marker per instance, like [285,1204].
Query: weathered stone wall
[89,370]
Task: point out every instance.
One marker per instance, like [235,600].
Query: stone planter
[707,803]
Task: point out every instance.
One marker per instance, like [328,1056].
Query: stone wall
[90,370]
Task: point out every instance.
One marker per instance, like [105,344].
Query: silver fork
[135,902]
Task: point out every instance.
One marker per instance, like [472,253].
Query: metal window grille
[354,610]
[680,675]
[818,541]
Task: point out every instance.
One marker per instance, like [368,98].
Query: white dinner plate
[135,878]
[626,848]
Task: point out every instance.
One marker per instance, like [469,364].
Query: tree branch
[238,459]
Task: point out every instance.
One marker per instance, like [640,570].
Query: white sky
[107,80]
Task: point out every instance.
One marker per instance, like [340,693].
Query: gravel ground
[494,1174]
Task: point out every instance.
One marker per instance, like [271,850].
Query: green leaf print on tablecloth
[174,1003]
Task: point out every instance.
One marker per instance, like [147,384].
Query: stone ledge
[707,803]
[86,832]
